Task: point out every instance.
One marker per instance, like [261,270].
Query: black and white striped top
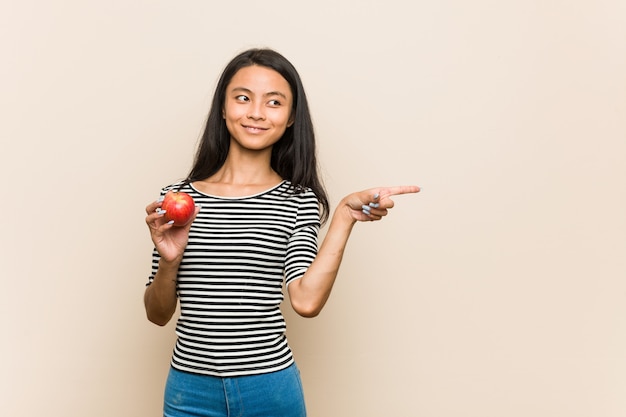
[230,279]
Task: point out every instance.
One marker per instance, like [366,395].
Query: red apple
[179,207]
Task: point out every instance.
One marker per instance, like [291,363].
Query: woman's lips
[254,128]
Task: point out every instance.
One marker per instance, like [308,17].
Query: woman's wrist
[343,216]
[169,267]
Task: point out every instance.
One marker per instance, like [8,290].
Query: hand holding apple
[179,207]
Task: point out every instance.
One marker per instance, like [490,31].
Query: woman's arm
[170,241]
[160,297]
[309,293]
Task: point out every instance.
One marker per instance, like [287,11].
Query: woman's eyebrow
[241,89]
[268,94]
[275,93]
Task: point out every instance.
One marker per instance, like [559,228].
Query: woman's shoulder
[179,185]
[303,199]
[296,191]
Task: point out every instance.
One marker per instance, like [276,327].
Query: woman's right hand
[169,240]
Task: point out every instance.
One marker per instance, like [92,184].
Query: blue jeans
[275,394]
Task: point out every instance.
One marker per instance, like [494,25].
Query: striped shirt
[229,284]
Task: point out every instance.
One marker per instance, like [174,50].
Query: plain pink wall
[497,291]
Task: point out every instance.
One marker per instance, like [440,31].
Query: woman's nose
[255,112]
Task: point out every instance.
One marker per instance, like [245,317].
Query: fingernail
[375,205]
[367,213]
[160,211]
[160,199]
[366,208]
[170,222]
[376,196]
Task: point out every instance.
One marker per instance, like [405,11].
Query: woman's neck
[242,174]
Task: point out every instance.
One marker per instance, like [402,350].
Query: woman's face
[257,108]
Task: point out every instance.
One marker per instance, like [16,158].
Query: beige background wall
[500,290]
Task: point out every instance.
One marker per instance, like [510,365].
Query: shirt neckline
[242,197]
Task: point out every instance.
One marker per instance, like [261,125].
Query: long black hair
[293,156]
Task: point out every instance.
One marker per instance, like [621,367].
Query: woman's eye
[274,103]
[242,98]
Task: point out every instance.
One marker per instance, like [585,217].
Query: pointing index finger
[401,189]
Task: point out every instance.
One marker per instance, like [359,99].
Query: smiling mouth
[254,128]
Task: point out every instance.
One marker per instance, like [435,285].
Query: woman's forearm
[309,294]
[160,297]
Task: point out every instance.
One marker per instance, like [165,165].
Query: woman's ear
[292,120]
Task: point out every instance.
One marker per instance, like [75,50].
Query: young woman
[260,205]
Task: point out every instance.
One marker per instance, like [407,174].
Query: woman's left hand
[373,204]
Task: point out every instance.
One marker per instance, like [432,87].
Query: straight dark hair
[293,156]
